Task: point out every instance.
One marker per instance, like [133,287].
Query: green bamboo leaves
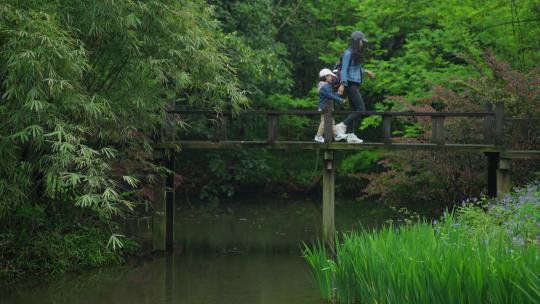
[75,75]
[83,89]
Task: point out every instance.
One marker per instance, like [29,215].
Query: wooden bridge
[493,146]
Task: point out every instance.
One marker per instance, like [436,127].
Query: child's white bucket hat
[325,72]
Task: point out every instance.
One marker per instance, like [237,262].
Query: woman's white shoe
[340,136]
[340,130]
[353,139]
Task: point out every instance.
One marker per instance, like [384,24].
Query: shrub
[42,242]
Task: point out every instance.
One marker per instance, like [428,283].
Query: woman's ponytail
[357,52]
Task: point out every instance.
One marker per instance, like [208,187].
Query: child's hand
[370,73]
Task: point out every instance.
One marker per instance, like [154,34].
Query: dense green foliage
[55,244]
[83,88]
[471,256]
[432,55]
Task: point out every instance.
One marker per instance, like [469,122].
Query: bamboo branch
[295,9]
[118,70]
[505,23]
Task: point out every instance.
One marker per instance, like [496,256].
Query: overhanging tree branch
[293,12]
[505,23]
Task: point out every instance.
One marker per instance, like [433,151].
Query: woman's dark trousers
[356,104]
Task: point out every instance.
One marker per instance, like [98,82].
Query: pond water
[239,252]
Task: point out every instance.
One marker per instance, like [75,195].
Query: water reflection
[209,278]
[270,227]
[237,253]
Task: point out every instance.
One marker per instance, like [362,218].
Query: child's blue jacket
[325,92]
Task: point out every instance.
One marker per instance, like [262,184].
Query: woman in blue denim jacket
[351,78]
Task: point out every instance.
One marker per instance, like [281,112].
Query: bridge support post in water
[328,178]
[498,175]
[503,177]
[163,215]
[498,178]
[493,162]
[328,199]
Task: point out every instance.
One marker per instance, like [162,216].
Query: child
[325,92]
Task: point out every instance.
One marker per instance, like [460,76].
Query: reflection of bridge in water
[492,144]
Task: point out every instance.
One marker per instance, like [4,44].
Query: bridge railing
[493,122]
[522,133]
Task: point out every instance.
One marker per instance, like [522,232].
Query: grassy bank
[485,252]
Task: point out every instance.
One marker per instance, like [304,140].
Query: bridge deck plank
[309,145]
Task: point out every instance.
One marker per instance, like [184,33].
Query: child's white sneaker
[340,136]
[353,139]
[341,129]
[319,138]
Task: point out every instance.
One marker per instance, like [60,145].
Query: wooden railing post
[163,204]
[224,122]
[169,200]
[488,125]
[328,122]
[168,127]
[220,130]
[160,137]
[499,123]
[159,223]
[272,128]
[437,130]
[387,129]
[328,199]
